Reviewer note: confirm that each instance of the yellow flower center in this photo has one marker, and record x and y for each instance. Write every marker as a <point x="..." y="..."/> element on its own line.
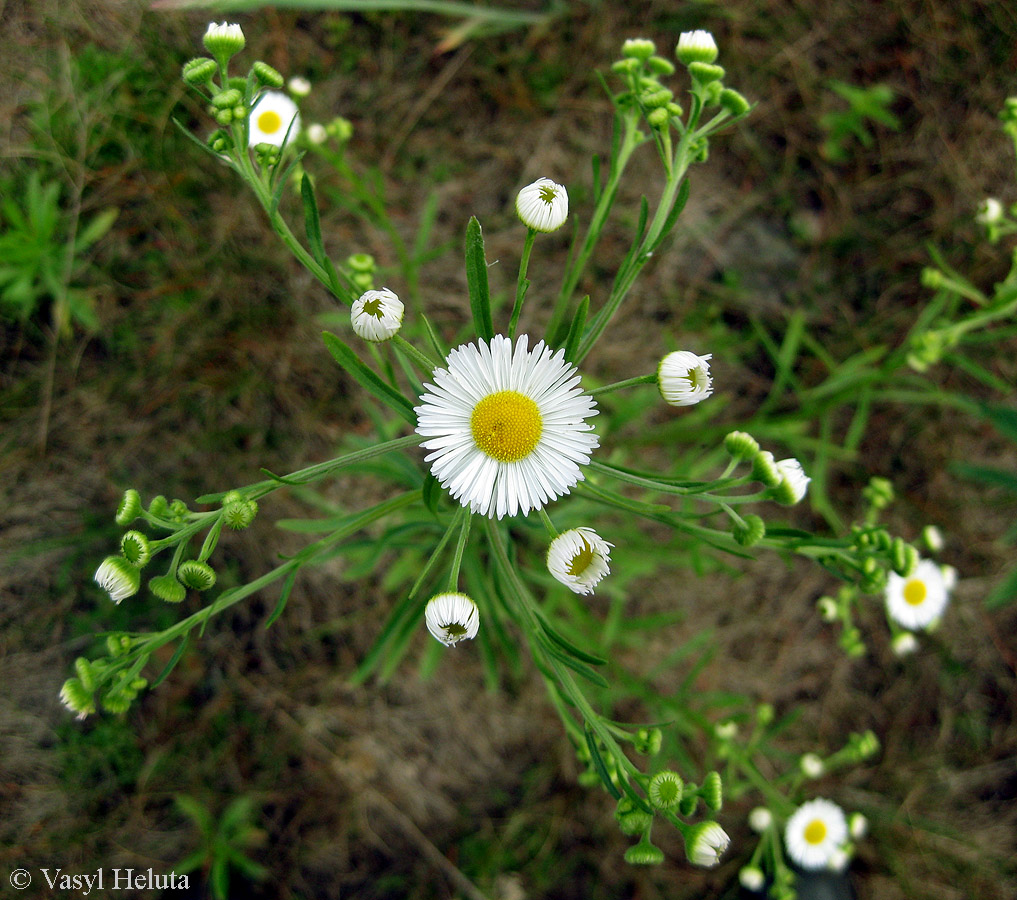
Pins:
<point x="581" y="560"/>
<point x="269" y="121"/>
<point x="454" y="630"/>
<point x="506" y="426"/>
<point x="914" y="592"/>
<point x="548" y="194"/>
<point x="815" y="832"/>
<point x="373" y="308"/>
<point x="693" y="378"/>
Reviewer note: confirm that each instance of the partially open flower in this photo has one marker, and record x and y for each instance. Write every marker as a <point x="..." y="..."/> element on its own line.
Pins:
<point x="705" y="844"/>
<point x="543" y="205"/>
<point x="696" y="46"/>
<point x="223" y="41"/>
<point x="274" y="117"/>
<point x="684" y="378"/>
<point x="579" y="558"/>
<point x="452" y="618"/>
<point x="377" y="315"/>
<point x="118" y="577"/>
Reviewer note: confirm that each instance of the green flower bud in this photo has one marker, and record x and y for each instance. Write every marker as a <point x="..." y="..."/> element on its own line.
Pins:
<point x="878" y="493"/>
<point x="696" y="47"/>
<point x="638" y="48"/>
<point x="227" y="99"/>
<point x="705" y="843"/>
<point x="741" y="445"/>
<point x="689" y="802"/>
<point x="752" y="878"/>
<point x="224" y="41"/>
<point x="765" y="713"/>
<point x="86" y="673"/>
<point x="341" y="129"/>
<point x="363" y="280"/>
<point x="116" y="702"/>
<point x="166" y="587"/>
<point x="267" y="75"/>
<point x="764" y="469"/>
<point x="178" y="510"/>
<point x="712" y="791"/>
<point x="656" y="98"/>
<point x="658" y="118"/>
<point x="734" y="102"/>
<point x="199" y="71"/>
<point x="196" y="575"/>
<point x="660" y="66"/>
<point x="644" y="854"/>
<point x="811" y="765"/>
<point x="932" y="278"/>
<point x="903" y="557"/>
<point x="630" y="818"/>
<point x="129" y="508"/>
<point x="239" y="514"/>
<point x="77" y="698"/>
<point x="361" y="262"/>
<point x="220" y="141"/>
<point x="135" y="548"/>
<point x="750" y="531"/>
<point x="705" y="73"/>
<point x="648" y="741"/>
<point x="675" y="110"/>
<point x="223" y="117"/>
<point x="665" y="789"/>
<point x="625" y="66"/>
<point x="117" y="644"/>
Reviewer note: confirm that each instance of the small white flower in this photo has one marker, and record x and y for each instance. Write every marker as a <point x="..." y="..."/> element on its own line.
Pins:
<point x="377" y="315"/>
<point x="858" y="826"/>
<point x="543" y="205"/>
<point x="684" y="378"/>
<point x="726" y="731"/>
<point x="917" y="601"/>
<point x="696" y="46"/>
<point x="811" y="765"/>
<point x="794" y="482"/>
<point x="760" y="819"/>
<point x="904" y="644"/>
<point x="706" y="844"/>
<point x="752" y="879"/>
<point x="579" y="558"/>
<point x="316" y="133"/>
<point x="949" y="577"/>
<point x="224" y="40"/>
<point x="828" y="609"/>
<point x="933" y="538"/>
<point x="451" y="618"/>
<point x="990" y="211"/>
<point x="118" y="578"/>
<point x="299" y="86"/>
<point x="839" y="859"/>
<point x="274" y="119"/>
<point x="814" y="834"/>
<point x="506" y="426"/>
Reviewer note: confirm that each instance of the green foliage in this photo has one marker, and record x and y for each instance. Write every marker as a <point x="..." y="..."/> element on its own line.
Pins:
<point x="866" y="106"/>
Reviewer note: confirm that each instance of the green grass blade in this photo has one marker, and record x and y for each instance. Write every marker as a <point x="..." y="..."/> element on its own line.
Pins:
<point x="367" y="379"/>
<point x="476" y="280"/>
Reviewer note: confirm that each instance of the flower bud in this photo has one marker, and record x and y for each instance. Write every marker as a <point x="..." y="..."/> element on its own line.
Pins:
<point x="166" y="587"/>
<point x="828" y="609"/>
<point x="299" y="86"/>
<point x="625" y="66"/>
<point x="660" y="66"/>
<point x="316" y="133"/>
<point x="86" y="673"/>
<point x="238" y="514"/>
<point x="129" y="508"/>
<point x="267" y="75"/>
<point x="658" y="118"/>
<point x="77" y="698"/>
<point x="904" y="644"/>
<point x="878" y="493"/>
<point x="227" y="99"/>
<point x="656" y="99"/>
<point x="224" y="41"/>
<point x="648" y="741"/>
<point x="341" y="129"/>
<point x="377" y="315"/>
<point x="689" y="802"/>
<point x="199" y="71"/>
<point x="990" y="212"/>
<point x="903" y="556"/>
<point x="760" y="819"/>
<point x="630" y="818"/>
<point x="135" y="548"/>
<point x="764" y="469"/>
<point x="638" y="48"/>
<point x="932" y="278"/>
<point x="858" y="826"/>
<point x="712" y="791"/>
<point x="750" y="531"/>
<point x="696" y="47"/>
<point x="741" y="445"/>
<point x="794" y="482"/>
<point x="765" y="713"/>
<point x="543" y="205"/>
<point x="704" y="73"/>
<point x="811" y="765"/>
<point x="752" y="879"/>
<point x="644" y="854"/>
<point x="117" y="644"/>
<point x="196" y="575"/>
<point x="705" y="843"/>
<point x="118" y="577"/>
<point x="683" y="378"/>
<point x="734" y="102"/>
<point x="116" y="702"/>
<point x="665" y="789"/>
<point x="932" y="537"/>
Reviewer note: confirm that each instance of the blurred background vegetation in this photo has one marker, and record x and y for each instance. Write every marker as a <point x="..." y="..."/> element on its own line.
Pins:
<point x="156" y="335"/>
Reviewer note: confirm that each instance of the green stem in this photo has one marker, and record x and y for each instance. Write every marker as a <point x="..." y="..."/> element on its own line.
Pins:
<point x="457" y="560"/>
<point x="425" y="362"/>
<point x="619" y="385"/>
<point x="522" y="284"/>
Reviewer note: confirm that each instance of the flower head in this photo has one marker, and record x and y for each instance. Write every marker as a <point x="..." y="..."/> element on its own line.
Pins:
<point x="274" y="118"/>
<point x="793" y="482"/>
<point x="752" y="878"/>
<point x="665" y="790"/>
<point x="452" y="618"/>
<point x="118" y="577"/>
<point x="904" y="644"/>
<point x="705" y="844"/>
<point x="506" y="426"/>
<point x="919" y="599"/>
<point x="696" y="46"/>
<point x="377" y="315"/>
<point x="579" y="558"/>
<point x="543" y="205"/>
<point x="224" y="40"/>
<point x="299" y="86"/>
<point x="684" y="378"/>
<point x="760" y="819"/>
<point x="815" y="833"/>
<point x="990" y="212"/>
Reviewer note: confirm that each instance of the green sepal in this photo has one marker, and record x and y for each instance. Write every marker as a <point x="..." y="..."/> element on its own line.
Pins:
<point x="367" y="379"/>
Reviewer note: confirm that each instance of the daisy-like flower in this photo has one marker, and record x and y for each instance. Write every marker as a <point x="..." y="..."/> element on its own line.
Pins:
<point x="118" y="577"/>
<point x="793" y="481"/>
<point x="684" y="378"/>
<point x="377" y="315"/>
<point x="452" y="618"/>
<point x="815" y="833"/>
<point x="917" y="601"/>
<point x="706" y="843"/>
<point x="506" y="426"/>
<point x="543" y="205"/>
<point x="579" y="558"/>
<point x="696" y="46"/>
<point x="271" y="119"/>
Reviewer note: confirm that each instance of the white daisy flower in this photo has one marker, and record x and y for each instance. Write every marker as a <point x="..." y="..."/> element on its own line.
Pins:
<point x="696" y="46"/>
<point x="917" y="601"/>
<point x="118" y="578"/>
<point x="794" y="483"/>
<point x="815" y="833"/>
<point x="271" y="117"/>
<point x="451" y="618"/>
<point x="543" y="205"/>
<point x="990" y="211"/>
<point x="506" y="426"/>
<point x="706" y="844"/>
<point x="377" y="315"/>
<point x="579" y="558"/>
<point x="684" y="378"/>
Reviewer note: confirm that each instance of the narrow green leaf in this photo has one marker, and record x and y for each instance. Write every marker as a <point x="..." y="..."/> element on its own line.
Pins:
<point x="576" y="329"/>
<point x="568" y="646"/>
<point x="432" y="336"/>
<point x="987" y="475"/>
<point x="1003" y="593"/>
<point x="171" y="665"/>
<point x="1003" y="418"/>
<point x="96" y="229"/>
<point x="566" y="659"/>
<point x="476" y="280"/>
<point x="312" y="222"/>
<point x="598" y="764"/>
<point x="283" y="180"/>
<point x="367" y="379"/>
<point x="672" y="217"/>
<point x="431" y="492"/>
<point x="283" y="597"/>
